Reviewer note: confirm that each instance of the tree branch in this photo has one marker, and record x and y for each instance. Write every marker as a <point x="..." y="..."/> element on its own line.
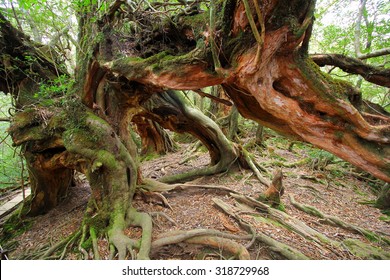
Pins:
<point x="212" y="97"/>
<point x="377" y="53"/>
<point x="376" y="75"/>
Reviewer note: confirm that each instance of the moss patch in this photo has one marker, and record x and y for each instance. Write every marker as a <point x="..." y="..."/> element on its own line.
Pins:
<point x="365" y="251"/>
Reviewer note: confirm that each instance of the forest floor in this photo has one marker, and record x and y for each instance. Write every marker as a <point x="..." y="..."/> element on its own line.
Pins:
<point x="311" y="176"/>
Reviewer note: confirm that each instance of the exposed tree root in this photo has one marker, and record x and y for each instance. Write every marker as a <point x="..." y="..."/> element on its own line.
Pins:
<point x="124" y="244"/>
<point x="274" y="245"/>
<point x="288" y="221"/>
<point x="335" y="221"/>
<point x="145" y="222"/>
<point x="80" y="248"/>
<point x="222" y="244"/>
<point x="92" y="233"/>
<point x="206" y="237"/>
<point x="61" y="244"/>
<point x="157" y="186"/>
<point x="155" y="198"/>
<point x="157" y="214"/>
<point x="253" y="167"/>
<point x="365" y="251"/>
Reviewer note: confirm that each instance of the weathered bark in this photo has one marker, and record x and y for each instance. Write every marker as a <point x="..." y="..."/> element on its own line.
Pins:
<point x="154" y="138"/>
<point x="49" y="185"/>
<point x="275" y="191"/>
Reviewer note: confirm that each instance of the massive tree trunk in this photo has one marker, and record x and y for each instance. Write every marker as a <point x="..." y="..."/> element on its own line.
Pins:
<point x="263" y="65"/>
<point x="257" y="50"/>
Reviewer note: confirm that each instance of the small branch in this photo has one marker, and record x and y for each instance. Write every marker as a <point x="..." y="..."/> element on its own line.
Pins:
<point x="377" y="53"/>
<point x="5" y="120"/>
<point x="58" y="36"/>
<point x="260" y="43"/>
<point x="158" y="214"/>
<point x="221" y="100"/>
<point x="255" y="31"/>
<point x="16" y="17"/>
<point x="217" y="63"/>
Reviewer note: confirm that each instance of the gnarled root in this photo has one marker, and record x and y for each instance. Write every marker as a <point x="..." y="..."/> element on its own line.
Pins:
<point x="211" y="238"/>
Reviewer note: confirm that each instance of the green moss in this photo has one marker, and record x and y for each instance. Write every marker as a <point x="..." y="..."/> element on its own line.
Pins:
<point x="107" y="158"/>
<point x="365" y="251"/>
<point x="16" y="224"/>
<point x="281" y="207"/>
<point x="149" y="157"/>
<point x="87" y="244"/>
<point x="339" y="134"/>
<point x="197" y="23"/>
<point x="268" y="221"/>
<point x="385" y="219"/>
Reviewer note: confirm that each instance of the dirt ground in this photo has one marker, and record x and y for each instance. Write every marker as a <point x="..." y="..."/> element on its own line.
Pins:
<point x="334" y="189"/>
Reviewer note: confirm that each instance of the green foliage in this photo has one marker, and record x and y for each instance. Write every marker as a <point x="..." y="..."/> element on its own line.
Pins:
<point x="334" y="32"/>
<point x="321" y="155"/>
<point x="10" y="161"/>
<point x="60" y="86"/>
<point x="15" y="226"/>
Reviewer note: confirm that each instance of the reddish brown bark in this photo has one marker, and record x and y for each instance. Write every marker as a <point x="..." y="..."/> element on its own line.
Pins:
<point x="282" y="88"/>
<point x="153" y="137"/>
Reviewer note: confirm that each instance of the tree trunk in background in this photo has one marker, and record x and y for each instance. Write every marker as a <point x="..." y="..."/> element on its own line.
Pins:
<point x="383" y="201"/>
<point x="154" y="138"/>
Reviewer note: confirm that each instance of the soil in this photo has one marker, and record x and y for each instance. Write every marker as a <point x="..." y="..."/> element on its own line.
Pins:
<point x="335" y="189"/>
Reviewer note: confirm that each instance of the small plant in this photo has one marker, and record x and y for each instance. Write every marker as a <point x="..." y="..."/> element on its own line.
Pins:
<point x="57" y="87"/>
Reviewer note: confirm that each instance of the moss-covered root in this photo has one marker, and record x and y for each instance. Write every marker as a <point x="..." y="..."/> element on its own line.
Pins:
<point x="63" y="244"/>
<point x="274" y="245"/>
<point x="248" y="159"/>
<point x="145" y="222"/>
<point x="222" y="244"/>
<point x="123" y="244"/>
<point x="208" y="237"/>
<point x="335" y="221"/>
<point x="365" y="251"/>
<point x="289" y="222"/>
<point x="118" y="240"/>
